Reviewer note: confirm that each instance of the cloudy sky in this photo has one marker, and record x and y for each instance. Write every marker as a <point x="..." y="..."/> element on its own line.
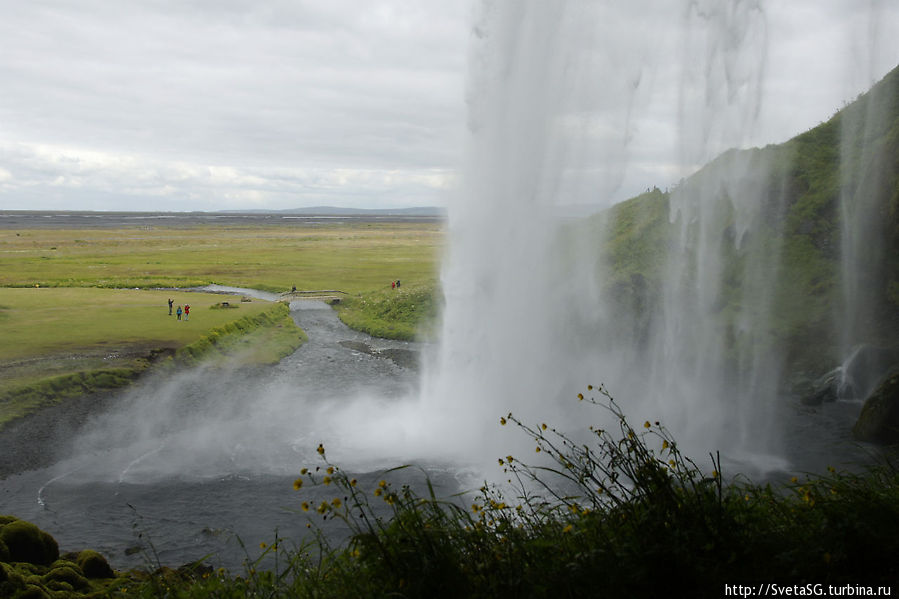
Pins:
<point x="245" y="104"/>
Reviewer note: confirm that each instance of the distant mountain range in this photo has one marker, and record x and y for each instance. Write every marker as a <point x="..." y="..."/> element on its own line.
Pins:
<point x="430" y="211"/>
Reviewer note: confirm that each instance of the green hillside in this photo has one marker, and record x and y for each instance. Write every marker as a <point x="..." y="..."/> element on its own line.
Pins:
<point x="784" y="221"/>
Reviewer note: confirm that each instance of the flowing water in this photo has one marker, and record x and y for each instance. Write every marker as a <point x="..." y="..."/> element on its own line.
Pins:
<point x="194" y="462"/>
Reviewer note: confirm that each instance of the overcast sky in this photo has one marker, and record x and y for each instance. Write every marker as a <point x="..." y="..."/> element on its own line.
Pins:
<point x="245" y="104"/>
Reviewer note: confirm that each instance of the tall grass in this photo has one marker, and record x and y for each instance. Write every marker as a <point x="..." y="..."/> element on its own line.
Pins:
<point x="627" y="515"/>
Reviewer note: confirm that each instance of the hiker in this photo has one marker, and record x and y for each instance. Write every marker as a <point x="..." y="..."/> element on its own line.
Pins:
<point x="171" y="301"/>
<point x="294" y="290"/>
<point x="186" y="311"/>
<point x="397" y="283"/>
<point x="178" y="312"/>
<point x="393" y="284"/>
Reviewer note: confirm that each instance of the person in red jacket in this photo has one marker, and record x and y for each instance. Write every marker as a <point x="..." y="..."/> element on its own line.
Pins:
<point x="186" y="311"/>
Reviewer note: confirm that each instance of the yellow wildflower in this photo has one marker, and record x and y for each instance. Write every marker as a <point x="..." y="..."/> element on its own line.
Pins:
<point x="543" y="426"/>
<point x="297" y="484"/>
<point x="262" y="545"/>
<point x="305" y="506"/>
<point x="502" y="421"/>
<point x="646" y="424"/>
<point x="665" y="444"/>
<point x="320" y="449"/>
<point x="304" y="470"/>
<point x="330" y="470"/>
<point x="567" y="529"/>
<point x="327" y="480"/>
<point x="353" y="482"/>
<point x="336" y="502"/>
<point x="382" y="483"/>
<point x="580" y="396"/>
<point x="378" y="491"/>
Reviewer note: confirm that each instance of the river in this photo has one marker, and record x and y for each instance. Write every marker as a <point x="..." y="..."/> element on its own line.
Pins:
<point x="201" y="464"/>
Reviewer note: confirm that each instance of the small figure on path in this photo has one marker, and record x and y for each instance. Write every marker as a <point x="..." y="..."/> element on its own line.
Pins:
<point x="294" y="290"/>
<point x="178" y="312"/>
<point x="397" y="283"/>
<point x="171" y="301"/>
<point x="393" y="284"/>
<point x="186" y="311"/>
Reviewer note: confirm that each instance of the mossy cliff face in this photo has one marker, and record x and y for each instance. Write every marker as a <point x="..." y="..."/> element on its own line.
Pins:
<point x="787" y="254"/>
<point x="31" y="565"/>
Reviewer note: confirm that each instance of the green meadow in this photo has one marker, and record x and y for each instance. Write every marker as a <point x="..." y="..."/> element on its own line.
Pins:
<point x="83" y="310"/>
<point x="355" y="258"/>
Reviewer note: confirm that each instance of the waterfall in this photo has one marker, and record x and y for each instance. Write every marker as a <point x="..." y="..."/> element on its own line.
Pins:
<point x="685" y="324"/>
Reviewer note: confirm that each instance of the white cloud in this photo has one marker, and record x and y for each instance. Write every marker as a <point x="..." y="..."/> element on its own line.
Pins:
<point x="197" y="104"/>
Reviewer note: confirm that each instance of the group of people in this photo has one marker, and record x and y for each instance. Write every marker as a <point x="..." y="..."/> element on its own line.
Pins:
<point x="180" y="311"/>
<point x="395" y="284"/>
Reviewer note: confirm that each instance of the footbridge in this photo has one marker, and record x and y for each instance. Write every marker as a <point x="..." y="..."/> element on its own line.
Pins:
<point x="332" y="296"/>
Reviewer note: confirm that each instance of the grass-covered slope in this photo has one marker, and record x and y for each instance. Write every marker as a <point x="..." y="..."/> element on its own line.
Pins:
<point x="827" y="199"/>
<point x="408" y="313"/>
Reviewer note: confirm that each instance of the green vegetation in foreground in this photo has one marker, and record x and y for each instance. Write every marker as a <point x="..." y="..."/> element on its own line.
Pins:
<point x="625" y="515"/>
<point x="350" y="257"/>
<point x="408" y="313"/>
<point x="61" y="343"/>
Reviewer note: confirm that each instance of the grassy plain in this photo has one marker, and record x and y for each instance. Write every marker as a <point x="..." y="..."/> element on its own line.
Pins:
<point x="78" y="310"/>
<point x="353" y="258"/>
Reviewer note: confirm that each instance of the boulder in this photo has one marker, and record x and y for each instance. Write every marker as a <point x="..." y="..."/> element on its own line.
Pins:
<point x="879" y="418"/>
<point x="827" y="388"/>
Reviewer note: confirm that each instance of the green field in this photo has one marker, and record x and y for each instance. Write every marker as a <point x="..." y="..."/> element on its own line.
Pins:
<point x="352" y="258"/>
<point x="79" y="310"/>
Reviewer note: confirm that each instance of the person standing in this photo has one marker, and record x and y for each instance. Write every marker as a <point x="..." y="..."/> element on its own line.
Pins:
<point x="171" y="301"/>
<point x="186" y="311"/>
<point x="178" y="312"/>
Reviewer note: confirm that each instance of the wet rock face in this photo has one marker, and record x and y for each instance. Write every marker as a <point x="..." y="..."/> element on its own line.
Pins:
<point x="879" y="419"/>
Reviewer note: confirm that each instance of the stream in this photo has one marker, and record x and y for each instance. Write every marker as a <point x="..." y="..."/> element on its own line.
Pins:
<point x="202" y="464"/>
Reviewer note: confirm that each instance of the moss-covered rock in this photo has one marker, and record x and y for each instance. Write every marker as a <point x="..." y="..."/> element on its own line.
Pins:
<point x="879" y="419"/>
<point x="67" y="574"/>
<point x="32" y="591"/>
<point x="94" y="565"/>
<point x="28" y="543"/>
